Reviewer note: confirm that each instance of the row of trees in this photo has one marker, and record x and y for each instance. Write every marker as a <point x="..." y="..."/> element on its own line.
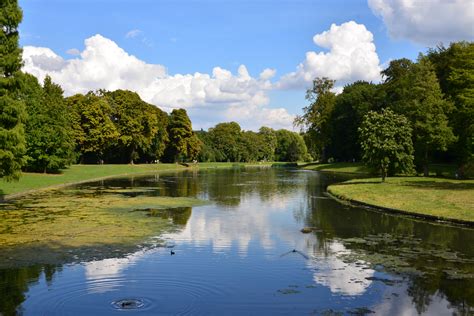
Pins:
<point x="102" y="126"/>
<point x="435" y="94"/>
<point x="228" y="142"/>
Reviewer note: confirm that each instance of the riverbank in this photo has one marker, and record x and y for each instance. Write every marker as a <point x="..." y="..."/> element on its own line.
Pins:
<point x="435" y="198"/>
<point x="31" y="182"/>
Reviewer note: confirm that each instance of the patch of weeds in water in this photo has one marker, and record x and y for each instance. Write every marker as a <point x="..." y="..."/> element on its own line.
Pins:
<point x="360" y="311"/>
<point x="288" y="291"/>
<point x="328" y="312"/>
<point x="406" y="255"/>
<point x="44" y="227"/>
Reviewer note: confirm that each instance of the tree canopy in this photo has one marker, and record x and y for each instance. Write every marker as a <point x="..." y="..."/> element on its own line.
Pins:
<point x="386" y="142"/>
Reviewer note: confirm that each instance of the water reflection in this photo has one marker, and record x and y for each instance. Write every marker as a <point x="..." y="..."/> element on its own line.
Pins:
<point x="236" y="253"/>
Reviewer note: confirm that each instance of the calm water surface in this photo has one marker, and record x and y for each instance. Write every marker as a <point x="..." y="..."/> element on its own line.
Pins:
<point x="235" y="256"/>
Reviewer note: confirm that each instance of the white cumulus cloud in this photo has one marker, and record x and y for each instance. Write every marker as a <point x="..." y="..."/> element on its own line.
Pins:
<point x="351" y="56"/>
<point x="427" y="22"/>
<point x="104" y="65"/>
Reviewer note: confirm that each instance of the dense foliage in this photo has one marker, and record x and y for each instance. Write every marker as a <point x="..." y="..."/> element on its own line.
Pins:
<point x="227" y="142"/>
<point x="435" y="94"/>
<point x="386" y="142"/>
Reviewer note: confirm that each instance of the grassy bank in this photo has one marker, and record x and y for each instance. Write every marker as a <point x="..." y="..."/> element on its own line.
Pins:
<point x="344" y="167"/>
<point x="431" y="197"/>
<point x="81" y="173"/>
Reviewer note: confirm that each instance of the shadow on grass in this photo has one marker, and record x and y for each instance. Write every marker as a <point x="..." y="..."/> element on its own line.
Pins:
<point x="357" y="167"/>
<point x="438" y="185"/>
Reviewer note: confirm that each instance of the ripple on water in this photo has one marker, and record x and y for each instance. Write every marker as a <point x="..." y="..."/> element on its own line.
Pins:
<point x="152" y="293"/>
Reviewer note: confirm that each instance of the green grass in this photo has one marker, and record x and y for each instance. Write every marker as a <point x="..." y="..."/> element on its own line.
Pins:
<point x="81" y="173"/>
<point x="344" y="167"/>
<point x="442" y="198"/>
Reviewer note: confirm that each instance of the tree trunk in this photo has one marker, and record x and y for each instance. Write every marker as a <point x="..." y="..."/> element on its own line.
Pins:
<point x="425" y="165"/>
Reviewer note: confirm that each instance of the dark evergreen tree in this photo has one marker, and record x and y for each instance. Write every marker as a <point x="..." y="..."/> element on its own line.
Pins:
<point x="12" y="110"/>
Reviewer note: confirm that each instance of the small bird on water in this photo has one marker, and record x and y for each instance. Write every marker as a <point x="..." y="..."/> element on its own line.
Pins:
<point x="172" y="252"/>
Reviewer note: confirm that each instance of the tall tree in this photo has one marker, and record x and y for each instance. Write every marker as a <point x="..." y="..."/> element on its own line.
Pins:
<point x="12" y="110"/>
<point x="386" y="142"/>
<point x="183" y="142"/>
<point x="50" y="138"/>
<point x="455" y="70"/>
<point x="290" y="147"/>
<point x="135" y="121"/>
<point x="316" y="117"/>
<point x="94" y="130"/>
<point x="414" y="91"/>
<point x="355" y="101"/>
<point x="269" y="143"/>
<point x="226" y="139"/>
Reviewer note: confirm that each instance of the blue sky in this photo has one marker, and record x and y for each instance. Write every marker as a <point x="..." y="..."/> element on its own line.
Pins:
<point x="185" y="37"/>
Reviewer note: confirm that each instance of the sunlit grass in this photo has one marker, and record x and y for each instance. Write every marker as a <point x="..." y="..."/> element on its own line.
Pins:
<point x="444" y="198"/>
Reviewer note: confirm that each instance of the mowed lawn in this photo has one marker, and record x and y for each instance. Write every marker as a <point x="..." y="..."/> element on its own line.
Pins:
<point x="443" y="198"/>
<point x="80" y="173"/>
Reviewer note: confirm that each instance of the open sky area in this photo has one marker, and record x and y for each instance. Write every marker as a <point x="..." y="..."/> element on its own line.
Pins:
<point x="248" y="61"/>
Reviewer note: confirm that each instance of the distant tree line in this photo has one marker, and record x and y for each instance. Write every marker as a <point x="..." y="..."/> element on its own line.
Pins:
<point x="227" y="142"/>
<point x="435" y="94"/>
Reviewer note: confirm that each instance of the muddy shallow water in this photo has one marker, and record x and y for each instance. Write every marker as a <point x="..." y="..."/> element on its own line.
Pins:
<point x="225" y="242"/>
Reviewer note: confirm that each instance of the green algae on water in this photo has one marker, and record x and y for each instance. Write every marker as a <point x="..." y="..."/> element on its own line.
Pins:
<point x="74" y="225"/>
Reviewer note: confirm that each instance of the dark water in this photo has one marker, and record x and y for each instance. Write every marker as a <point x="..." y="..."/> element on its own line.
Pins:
<point x="235" y="256"/>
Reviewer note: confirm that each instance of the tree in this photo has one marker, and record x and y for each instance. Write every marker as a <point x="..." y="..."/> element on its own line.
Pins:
<point x="49" y="134"/>
<point x="268" y="143"/>
<point x="316" y="117"/>
<point x="290" y="147"/>
<point x="135" y="121"/>
<point x="184" y="144"/>
<point x="12" y="110"/>
<point x="455" y="71"/>
<point x="94" y="130"/>
<point x="386" y="142"/>
<point x="413" y="90"/>
<point x="355" y="101"/>
<point x="226" y="139"/>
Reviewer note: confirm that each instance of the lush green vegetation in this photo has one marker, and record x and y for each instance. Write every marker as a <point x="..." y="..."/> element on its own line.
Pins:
<point x="443" y="198"/>
<point x="386" y="142"/>
<point x="435" y="94"/>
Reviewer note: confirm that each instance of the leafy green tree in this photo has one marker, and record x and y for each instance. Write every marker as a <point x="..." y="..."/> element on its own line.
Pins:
<point x="12" y="110"/>
<point x="455" y="71"/>
<point x="161" y="139"/>
<point x="226" y="139"/>
<point x="268" y="143"/>
<point x="290" y="147"/>
<point x="421" y="101"/>
<point x="94" y="130"/>
<point x="135" y="121"/>
<point x="183" y="142"/>
<point x="355" y="101"/>
<point x="49" y="135"/>
<point x="386" y="142"/>
<point x="317" y="115"/>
